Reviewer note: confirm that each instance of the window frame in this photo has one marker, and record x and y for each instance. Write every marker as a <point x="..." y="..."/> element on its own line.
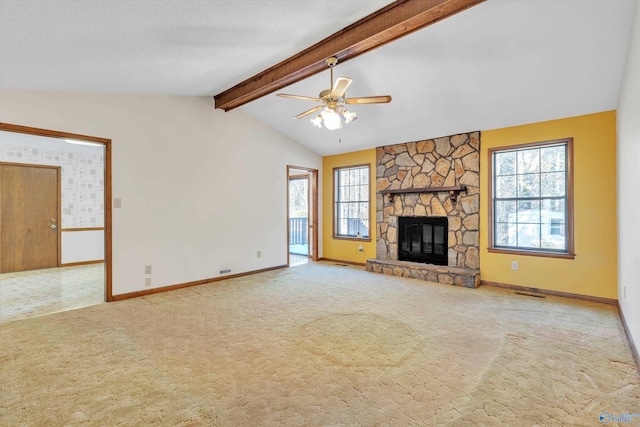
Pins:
<point x="335" y="234"/>
<point x="570" y="250"/>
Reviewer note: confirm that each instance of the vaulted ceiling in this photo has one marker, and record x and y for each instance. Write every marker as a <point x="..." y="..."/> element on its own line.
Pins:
<point x="500" y="63"/>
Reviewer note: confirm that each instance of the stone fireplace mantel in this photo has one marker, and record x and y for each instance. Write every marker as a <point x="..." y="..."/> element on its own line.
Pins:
<point x="453" y="191"/>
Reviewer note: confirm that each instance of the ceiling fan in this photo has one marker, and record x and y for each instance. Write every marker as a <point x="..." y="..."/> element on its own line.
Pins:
<point x="333" y="101"/>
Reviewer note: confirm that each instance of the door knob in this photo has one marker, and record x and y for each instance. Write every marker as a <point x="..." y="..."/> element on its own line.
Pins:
<point x="53" y="223"/>
<point x="53" y="226"/>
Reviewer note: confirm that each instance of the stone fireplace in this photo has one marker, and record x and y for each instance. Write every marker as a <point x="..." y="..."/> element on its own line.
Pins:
<point x="426" y="182"/>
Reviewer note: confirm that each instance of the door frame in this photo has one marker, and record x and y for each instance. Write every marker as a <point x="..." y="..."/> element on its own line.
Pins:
<point x="58" y="170"/>
<point x="307" y="178"/>
<point x="313" y="210"/>
<point x="108" y="290"/>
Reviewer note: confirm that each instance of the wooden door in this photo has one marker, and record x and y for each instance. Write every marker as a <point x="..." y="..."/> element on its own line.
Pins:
<point x="29" y="217"/>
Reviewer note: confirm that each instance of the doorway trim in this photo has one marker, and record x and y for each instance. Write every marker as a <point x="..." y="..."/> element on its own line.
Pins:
<point x="313" y="210"/>
<point x="108" y="290"/>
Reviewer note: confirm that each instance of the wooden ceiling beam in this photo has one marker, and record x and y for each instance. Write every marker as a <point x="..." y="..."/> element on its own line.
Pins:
<point x="396" y="20"/>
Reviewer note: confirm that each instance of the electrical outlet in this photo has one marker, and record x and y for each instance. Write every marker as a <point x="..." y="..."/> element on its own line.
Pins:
<point x="147" y="281"/>
<point x="259" y="254"/>
<point x="117" y="202"/>
<point x="514" y="265"/>
<point x="360" y="248"/>
<point x="147" y="269"/>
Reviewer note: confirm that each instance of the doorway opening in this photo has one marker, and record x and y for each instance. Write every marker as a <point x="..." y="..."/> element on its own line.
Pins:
<point x="302" y="212"/>
<point x="81" y="273"/>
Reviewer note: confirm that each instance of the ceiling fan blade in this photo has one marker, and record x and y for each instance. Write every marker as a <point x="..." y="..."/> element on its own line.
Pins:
<point x="309" y="111"/>
<point x="342" y="83"/>
<point x="305" y="98"/>
<point x="369" y="100"/>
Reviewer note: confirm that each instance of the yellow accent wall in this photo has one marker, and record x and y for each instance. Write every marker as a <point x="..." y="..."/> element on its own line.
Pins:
<point x="341" y="249"/>
<point x="593" y="272"/>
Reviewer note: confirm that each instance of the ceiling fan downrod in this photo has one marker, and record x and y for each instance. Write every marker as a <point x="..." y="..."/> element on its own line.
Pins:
<point x="331" y="62"/>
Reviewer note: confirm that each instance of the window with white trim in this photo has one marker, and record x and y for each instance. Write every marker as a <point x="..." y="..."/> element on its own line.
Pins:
<point x="532" y="200"/>
<point x="351" y="199"/>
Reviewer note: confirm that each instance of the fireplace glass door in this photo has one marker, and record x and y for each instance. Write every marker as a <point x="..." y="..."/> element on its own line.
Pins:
<point x="423" y="239"/>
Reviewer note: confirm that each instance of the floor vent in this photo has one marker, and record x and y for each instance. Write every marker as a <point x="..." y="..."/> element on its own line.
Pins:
<point x="529" y="295"/>
<point x="342" y="265"/>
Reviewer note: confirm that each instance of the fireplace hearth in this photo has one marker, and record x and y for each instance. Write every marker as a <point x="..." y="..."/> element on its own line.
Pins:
<point x="423" y="239"/>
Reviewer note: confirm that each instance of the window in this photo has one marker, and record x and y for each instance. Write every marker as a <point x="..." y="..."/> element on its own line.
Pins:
<point x="531" y="199"/>
<point x="351" y="198"/>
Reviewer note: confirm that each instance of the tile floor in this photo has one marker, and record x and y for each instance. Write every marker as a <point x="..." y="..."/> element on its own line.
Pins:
<point x="297" y="260"/>
<point x="34" y="293"/>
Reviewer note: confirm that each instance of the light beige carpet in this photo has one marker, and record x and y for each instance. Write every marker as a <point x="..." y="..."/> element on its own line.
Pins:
<point x="319" y="345"/>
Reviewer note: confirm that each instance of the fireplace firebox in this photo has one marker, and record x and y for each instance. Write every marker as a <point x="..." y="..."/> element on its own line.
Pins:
<point x="423" y="239"/>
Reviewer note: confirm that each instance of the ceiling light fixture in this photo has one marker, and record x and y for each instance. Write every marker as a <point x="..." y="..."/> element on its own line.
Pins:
<point x="333" y="111"/>
<point x="330" y="117"/>
<point x="79" y="142"/>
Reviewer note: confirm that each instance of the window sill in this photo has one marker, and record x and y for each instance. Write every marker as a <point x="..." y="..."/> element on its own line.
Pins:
<point x="531" y="253"/>
<point x="358" y="239"/>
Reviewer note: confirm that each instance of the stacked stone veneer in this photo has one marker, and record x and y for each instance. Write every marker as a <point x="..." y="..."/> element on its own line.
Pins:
<point x="441" y="162"/>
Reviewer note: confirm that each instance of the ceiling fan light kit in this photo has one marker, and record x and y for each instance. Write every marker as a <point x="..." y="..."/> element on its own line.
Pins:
<point x="333" y="100"/>
<point x="331" y="117"/>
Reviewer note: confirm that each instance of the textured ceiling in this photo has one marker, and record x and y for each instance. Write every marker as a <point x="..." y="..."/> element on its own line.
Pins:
<point x="501" y="63"/>
<point x="176" y="47"/>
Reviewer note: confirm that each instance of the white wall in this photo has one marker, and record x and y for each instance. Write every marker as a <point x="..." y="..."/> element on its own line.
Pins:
<point x="628" y="116"/>
<point x="82" y="246"/>
<point x="202" y="190"/>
